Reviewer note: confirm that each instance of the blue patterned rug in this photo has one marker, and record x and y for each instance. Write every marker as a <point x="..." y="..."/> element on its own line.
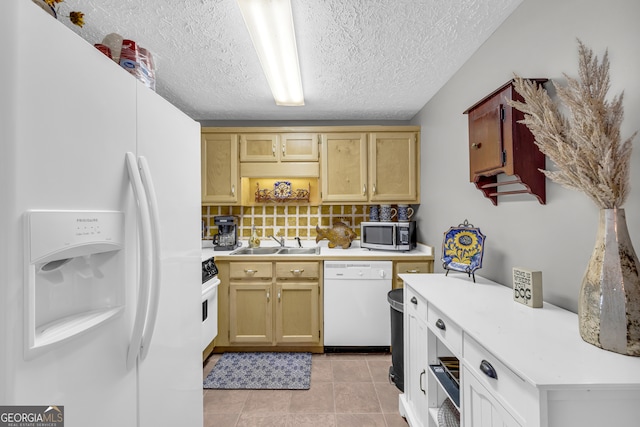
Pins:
<point x="269" y="371"/>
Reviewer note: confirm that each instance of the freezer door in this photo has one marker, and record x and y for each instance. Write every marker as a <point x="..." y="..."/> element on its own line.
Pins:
<point x="73" y="118"/>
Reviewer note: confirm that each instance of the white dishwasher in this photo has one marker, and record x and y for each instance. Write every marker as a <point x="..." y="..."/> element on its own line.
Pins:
<point x="356" y="311"/>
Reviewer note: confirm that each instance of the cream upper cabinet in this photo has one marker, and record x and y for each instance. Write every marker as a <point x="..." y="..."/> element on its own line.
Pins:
<point x="393" y="167"/>
<point x="374" y="167"/>
<point x="354" y="164"/>
<point x="219" y="160"/>
<point x="259" y="147"/>
<point x="279" y="147"/>
<point x="299" y="147"/>
<point x="344" y="167"/>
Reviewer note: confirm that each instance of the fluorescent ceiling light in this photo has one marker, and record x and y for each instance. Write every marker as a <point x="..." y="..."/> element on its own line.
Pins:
<point x="270" y="24"/>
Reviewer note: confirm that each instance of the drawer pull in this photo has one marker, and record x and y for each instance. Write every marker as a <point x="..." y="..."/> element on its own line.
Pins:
<point x="412" y="271"/>
<point x="488" y="370"/>
<point x="414" y="300"/>
<point x="250" y="272"/>
<point x="440" y="325"/>
<point x="421" y="375"/>
<point x="297" y="272"/>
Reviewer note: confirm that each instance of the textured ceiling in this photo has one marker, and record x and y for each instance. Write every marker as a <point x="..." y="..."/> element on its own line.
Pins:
<point x="360" y="59"/>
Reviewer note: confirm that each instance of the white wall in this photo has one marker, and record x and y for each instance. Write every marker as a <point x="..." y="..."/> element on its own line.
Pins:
<point x="537" y="40"/>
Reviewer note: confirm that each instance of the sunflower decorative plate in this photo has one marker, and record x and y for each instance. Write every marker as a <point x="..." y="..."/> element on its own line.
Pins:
<point x="462" y="249"/>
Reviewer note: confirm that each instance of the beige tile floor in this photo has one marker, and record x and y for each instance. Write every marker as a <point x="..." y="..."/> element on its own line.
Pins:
<point x="346" y="390"/>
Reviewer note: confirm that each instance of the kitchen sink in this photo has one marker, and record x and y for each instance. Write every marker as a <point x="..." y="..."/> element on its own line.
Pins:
<point x="299" y="251"/>
<point x="255" y="251"/>
<point x="277" y="251"/>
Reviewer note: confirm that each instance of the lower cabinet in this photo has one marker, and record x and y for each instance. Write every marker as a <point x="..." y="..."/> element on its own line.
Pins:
<point x="481" y="409"/>
<point x="415" y="360"/>
<point x="251" y="312"/>
<point x="267" y="309"/>
<point x="471" y="344"/>
<point x="297" y="302"/>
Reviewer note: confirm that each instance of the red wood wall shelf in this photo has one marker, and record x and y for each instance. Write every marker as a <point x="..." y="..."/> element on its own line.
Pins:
<point x="499" y="145"/>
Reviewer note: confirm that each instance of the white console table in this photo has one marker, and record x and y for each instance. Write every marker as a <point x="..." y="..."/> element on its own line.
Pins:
<point x="545" y="375"/>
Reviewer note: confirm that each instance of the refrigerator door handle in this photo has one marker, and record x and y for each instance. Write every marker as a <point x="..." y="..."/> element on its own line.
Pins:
<point x="145" y="238"/>
<point x="154" y="296"/>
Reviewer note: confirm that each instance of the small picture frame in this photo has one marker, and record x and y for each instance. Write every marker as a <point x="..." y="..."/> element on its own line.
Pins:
<point x="527" y="287"/>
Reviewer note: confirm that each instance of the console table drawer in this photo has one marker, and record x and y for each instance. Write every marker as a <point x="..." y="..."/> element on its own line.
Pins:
<point x="512" y="391"/>
<point x="445" y="329"/>
<point x="416" y="305"/>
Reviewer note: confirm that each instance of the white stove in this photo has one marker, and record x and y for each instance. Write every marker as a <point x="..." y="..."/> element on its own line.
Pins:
<point x="210" y="284"/>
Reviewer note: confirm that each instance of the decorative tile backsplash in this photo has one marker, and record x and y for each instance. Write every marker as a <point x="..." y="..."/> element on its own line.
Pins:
<point x="285" y="220"/>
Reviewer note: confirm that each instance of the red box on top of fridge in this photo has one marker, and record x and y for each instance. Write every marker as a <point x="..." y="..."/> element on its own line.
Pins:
<point x="104" y="49"/>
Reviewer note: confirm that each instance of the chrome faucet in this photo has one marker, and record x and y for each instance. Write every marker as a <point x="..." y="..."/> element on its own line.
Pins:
<point x="280" y="241"/>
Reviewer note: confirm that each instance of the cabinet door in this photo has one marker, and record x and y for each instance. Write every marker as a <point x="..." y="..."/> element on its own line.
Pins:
<point x="297" y="319"/>
<point x="344" y="167"/>
<point x="416" y="375"/>
<point x="250" y="312"/>
<point x="262" y="147"/>
<point x="393" y="168"/>
<point x="480" y="408"/>
<point x="219" y="158"/>
<point x="299" y="147"/>
<point x="485" y="137"/>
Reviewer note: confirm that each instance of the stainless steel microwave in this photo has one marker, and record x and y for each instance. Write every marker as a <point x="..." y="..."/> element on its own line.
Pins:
<point x="389" y="236"/>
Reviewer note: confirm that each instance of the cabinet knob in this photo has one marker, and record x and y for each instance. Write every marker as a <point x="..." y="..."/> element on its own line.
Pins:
<point x="488" y="370"/>
<point x="476" y="145"/>
<point x="414" y="300"/>
<point x="440" y="325"/>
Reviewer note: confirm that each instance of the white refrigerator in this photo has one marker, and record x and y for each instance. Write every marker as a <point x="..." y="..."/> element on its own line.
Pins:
<point x="100" y="287"/>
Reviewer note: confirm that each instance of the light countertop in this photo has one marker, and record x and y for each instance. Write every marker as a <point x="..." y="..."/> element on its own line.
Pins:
<point x="326" y="253"/>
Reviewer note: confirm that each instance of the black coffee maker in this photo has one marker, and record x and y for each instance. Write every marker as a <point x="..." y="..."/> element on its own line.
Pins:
<point x="227" y="237"/>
